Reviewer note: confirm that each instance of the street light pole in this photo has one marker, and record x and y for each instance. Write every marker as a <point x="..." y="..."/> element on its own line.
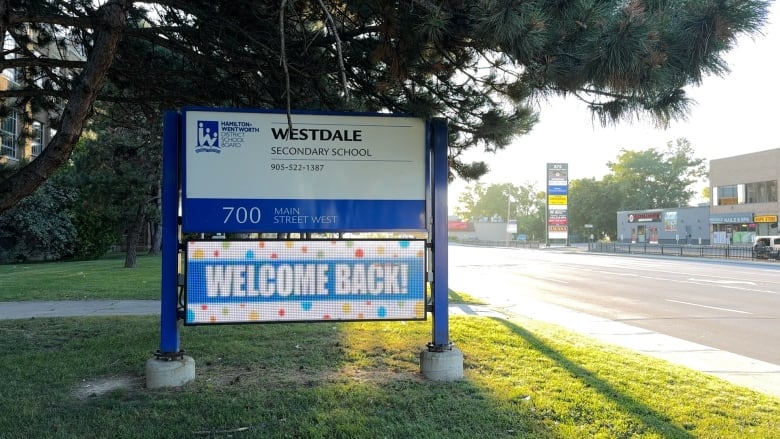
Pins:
<point x="508" y="204"/>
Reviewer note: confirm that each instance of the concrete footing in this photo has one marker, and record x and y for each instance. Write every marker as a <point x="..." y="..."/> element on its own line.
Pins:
<point x="442" y="366"/>
<point x="169" y="373"/>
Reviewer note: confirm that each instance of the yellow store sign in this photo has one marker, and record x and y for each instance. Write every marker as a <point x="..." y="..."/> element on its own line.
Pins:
<point x="557" y="200"/>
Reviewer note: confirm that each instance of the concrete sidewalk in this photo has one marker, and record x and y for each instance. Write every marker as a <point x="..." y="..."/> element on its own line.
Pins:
<point x="75" y="308"/>
<point x="747" y="372"/>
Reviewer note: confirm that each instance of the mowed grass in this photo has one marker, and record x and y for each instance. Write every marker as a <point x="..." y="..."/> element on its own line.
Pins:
<point x="84" y="377"/>
<point x="105" y="278"/>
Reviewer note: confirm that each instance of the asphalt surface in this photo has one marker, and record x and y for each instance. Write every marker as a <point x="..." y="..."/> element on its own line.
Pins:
<point x="747" y="372"/>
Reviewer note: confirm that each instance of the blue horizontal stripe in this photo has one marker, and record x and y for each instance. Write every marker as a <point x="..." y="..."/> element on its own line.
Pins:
<point x="290" y="215"/>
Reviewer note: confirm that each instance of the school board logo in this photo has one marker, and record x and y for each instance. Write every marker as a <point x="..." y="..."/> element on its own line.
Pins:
<point x="207" y="136"/>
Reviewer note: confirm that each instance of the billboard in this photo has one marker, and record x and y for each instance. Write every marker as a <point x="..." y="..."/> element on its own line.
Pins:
<point x="249" y="171"/>
<point x="304" y="281"/>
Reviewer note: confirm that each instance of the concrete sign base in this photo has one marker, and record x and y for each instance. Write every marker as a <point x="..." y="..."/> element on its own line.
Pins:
<point x="442" y="366"/>
<point x="169" y="373"/>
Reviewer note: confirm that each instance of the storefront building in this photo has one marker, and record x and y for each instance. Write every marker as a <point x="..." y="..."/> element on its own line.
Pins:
<point x="743" y="196"/>
<point x="681" y="225"/>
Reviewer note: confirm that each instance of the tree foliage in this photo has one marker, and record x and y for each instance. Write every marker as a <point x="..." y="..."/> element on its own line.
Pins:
<point x="638" y="180"/>
<point x="594" y="202"/>
<point x="117" y="172"/>
<point x="39" y="225"/>
<point x="654" y="179"/>
<point x="479" y="64"/>
<point x="524" y="203"/>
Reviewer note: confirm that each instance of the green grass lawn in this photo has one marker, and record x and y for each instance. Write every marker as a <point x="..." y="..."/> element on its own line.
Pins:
<point x="105" y="278"/>
<point x="83" y="377"/>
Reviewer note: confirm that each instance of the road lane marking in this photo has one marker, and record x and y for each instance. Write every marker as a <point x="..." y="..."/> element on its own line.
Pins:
<point x="710" y="307"/>
<point x="552" y="279"/>
<point x="693" y="279"/>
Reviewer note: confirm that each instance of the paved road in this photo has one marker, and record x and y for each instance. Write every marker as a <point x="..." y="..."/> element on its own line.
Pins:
<point x="733" y="306"/>
<point x="690" y="315"/>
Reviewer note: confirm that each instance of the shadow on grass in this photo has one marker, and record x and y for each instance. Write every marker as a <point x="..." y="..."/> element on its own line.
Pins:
<point x="652" y="419"/>
<point x="455" y="297"/>
<point x="297" y="380"/>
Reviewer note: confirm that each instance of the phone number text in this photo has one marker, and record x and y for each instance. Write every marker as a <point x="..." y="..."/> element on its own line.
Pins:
<point x="296" y="167"/>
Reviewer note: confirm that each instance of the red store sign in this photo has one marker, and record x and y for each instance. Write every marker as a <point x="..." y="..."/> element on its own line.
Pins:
<point x="644" y="217"/>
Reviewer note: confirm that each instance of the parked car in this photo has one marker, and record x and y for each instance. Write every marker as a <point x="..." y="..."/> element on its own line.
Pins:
<point x="766" y="247"/>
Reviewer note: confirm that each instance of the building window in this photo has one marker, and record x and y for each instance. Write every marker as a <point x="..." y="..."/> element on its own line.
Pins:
<point x="726" y="195"/>
<point x="36" y="138"/>
<point x="761" y="192"/>
<point x="8" y="135"/>
<point x="9" y="48"/>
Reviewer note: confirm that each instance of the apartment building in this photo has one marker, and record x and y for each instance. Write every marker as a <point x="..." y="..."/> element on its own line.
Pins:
<point x="24" y="133"/>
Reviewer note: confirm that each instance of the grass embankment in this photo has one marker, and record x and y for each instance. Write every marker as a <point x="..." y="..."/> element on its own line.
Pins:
<point x="83" y="377"/>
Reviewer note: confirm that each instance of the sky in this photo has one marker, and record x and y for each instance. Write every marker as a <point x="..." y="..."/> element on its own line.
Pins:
<point x="732" y="115"/>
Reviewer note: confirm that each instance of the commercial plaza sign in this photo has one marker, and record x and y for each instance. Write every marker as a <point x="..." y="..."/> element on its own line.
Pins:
<point x="248" y="171"/>
<point x="557" y="200"/>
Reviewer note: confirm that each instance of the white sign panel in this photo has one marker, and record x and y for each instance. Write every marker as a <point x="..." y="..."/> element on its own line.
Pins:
<point x="248" y="171"/>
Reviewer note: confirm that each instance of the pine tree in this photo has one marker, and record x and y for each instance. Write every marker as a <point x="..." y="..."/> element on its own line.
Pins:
<point x="480" y="64"/>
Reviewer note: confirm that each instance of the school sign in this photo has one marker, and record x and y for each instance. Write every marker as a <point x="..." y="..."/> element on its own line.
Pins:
<point x="254" y="171"/>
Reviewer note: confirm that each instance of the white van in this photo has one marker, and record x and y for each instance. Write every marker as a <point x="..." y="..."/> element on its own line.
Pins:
<point x="769" y="241"/>
<point x="766" y="247"/>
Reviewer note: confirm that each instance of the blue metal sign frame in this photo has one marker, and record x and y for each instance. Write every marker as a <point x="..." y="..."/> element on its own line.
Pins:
<point x="434" y="203"/>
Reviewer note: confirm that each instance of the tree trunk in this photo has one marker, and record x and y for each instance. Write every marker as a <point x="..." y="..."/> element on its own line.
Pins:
<point x="133" y="233"/>
<point x="108" y="34"/>
<point x="155" y="226"/>
<point x="156" y="247"/>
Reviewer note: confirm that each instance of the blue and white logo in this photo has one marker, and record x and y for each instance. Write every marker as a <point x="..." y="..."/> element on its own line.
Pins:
<point x="208" y="136"/>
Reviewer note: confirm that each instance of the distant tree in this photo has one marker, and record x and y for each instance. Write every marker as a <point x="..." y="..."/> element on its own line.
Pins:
<point x="467" y="202"/>
<point x="479" y="64"/>
<point x="480" y="202"/>
<point x="705" y="193"/>
<point x="593" y="202"/>
<point x="531" y="217"/>
<point x="524" y="203"/>
<point x="638" y="180"/>
<point x="117" y="171"/>
<point x="654" y="179"/>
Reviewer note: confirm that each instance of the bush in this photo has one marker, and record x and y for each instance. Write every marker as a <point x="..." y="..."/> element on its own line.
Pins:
<point x="39" y="226"/>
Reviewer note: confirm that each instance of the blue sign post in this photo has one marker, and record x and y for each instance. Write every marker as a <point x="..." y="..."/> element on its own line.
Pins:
<point x="252" y="171"/>
<point x="169" y="288"/>
<point x="439" y="145"/>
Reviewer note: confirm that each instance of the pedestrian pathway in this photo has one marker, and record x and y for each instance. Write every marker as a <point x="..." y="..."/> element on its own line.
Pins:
<point x="74" y="308"/>
<point x="743" y="371"/>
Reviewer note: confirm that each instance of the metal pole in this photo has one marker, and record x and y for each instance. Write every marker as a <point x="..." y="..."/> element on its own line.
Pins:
<point x="169" y="331"/>
<point x="441" y="340"/>
<point x="508" y="204"/>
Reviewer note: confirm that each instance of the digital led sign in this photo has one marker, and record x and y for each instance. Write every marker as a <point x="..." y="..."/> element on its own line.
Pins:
<point x="304" y="281"/>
